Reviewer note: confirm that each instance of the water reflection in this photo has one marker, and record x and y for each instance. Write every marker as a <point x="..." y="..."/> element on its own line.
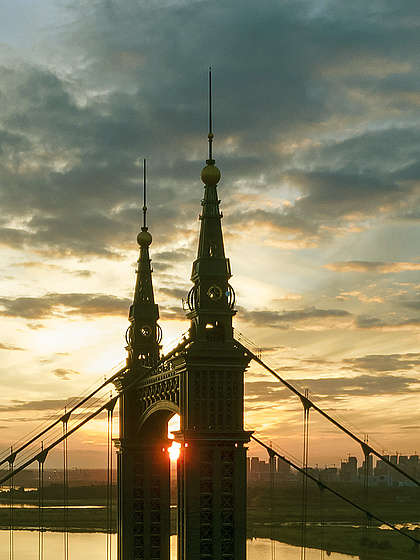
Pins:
<point x="35" y="506"/>
<point x="93" y="546"/>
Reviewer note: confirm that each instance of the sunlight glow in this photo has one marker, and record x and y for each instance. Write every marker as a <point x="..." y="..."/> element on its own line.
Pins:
<point x="173" y="426"/>
<point x="174" y="451"/>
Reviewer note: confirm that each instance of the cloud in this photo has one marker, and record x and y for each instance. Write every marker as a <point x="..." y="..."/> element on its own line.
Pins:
<point x="46" y="404"/>
<point x="65" y="374"/>
<point x="5" y="346"/>
<point x="375" y="323"/>
<point x="49" y="305"/>
<point x="72" y="134"/>
<point x="175" y="293"/>
<point x="282" y="319"/>
<point x="329" y="388"/>
<point x="384" y="363"/>
<point x="173" y="313"/>
<point x="364" y="385"/>
<point x="372" y="267"/>
<point x="414" y="304"/>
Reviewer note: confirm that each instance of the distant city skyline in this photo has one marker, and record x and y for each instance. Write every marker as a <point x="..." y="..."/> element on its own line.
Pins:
<point x="316" y="136"/>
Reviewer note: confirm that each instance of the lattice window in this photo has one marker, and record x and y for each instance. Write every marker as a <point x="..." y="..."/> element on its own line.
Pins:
<point x="206" y="504"/>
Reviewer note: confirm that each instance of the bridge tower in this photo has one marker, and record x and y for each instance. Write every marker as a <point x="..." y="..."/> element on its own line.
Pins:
<point x="202" y="381"/>
<point x="143" y="463"/>
<point x="212" y="463"/>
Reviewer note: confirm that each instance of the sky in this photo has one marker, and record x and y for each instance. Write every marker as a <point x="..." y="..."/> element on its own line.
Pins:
<point x="316" y="122"/>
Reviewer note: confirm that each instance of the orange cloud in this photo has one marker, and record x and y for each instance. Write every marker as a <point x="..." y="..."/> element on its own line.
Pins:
<point x="376" y="267"/>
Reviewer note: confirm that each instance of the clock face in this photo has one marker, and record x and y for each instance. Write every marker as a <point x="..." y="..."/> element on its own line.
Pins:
<point x="214" y="292"/>
<point x="145" y="330"/>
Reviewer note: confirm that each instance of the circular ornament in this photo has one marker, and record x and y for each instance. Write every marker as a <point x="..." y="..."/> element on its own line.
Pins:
<point x="214" y="292"/>
<point x="145" y="330"/>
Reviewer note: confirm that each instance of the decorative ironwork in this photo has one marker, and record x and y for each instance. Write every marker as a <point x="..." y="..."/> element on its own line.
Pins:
<point x="192" y="298"/>
<point x="163" y="387"/>
<point x="231" y="296"/>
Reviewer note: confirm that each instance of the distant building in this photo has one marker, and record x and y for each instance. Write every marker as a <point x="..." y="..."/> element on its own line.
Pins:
<point x="381" y="474"/>
<point x="260" y="470"/>
<point x="373" y="480"/>
<point x="348" y="470"/>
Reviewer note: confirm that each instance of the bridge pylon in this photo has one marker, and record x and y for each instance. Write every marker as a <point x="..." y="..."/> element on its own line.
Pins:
<point x="202" y="381"/>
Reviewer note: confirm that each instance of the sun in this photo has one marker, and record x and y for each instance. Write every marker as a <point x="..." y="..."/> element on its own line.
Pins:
<point x="174" y="451"/>
<point x="173" y="426"/>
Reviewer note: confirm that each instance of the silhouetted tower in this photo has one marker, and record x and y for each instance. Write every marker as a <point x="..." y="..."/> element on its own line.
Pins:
<point x="212" y="463"/>
<point x="143" y="463"/>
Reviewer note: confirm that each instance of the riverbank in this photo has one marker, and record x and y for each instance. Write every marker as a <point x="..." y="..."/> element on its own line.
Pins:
<point x="335" y="525"/>
<point x="378" y="545"/>
<point x="341" y="529"/>
<point x="78" y="517"/>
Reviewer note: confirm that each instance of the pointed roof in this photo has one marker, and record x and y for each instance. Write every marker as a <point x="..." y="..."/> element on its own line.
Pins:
<point x="144" y="334"/>
<point x="211" y="299"/>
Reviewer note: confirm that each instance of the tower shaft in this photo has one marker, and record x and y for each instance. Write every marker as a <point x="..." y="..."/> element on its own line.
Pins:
<point x="212" y="464"/>
<point x="143" y="461"/>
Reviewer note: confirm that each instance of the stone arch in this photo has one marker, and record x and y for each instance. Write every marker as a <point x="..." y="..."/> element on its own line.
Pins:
<point x="155" y="417"/>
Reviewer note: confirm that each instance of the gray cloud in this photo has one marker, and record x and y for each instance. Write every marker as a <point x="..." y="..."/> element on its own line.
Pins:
<point x="174" y="293"/>
<point x="46" y="306"/>
<point x="281" y="319"/>
<point x="69" y="145"/>
<point x="47" y="404"/>
<point x="366" y="322"/>
<point x="364" y="385"/>
<point x="414" y="304"/>
<point x="384" y="363"/>
<point x="331" y="388"/>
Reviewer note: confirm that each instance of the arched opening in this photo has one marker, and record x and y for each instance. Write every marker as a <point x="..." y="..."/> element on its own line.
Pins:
<point x="144" y="488"/>
<point x="174" y="451"/>
<point x="156" y="476"/>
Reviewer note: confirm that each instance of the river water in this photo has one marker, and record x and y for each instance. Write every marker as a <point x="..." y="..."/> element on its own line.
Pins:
<point x="93" y="546"/>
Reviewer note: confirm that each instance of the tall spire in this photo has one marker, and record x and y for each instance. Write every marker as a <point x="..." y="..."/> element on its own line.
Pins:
<point x="210" y="134"/>
<point x="144" y="334"/>
<point x="211" y="299"/>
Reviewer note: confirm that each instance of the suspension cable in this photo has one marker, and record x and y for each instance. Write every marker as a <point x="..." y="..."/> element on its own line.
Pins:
<point x="41" y="460"/>
<point x="57" y="441"/>
<point x="305" y="458"/>
<point x="354" y="504"/>
<point x="366" y="473"/>
<point x="327" y="416"/>
<point x="184" y="342"/>
<point x="109" y="497"/>
<point x="272" y="469"/>
<point x="71" y="410"/>
<point x="64" y="420"/>
<point x="321" y="500"/>
<point x="11" y="504"/>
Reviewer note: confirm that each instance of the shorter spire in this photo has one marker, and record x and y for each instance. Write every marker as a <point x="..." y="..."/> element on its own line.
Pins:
<point x="144" y="195"/>
<point x="144" y="334"/>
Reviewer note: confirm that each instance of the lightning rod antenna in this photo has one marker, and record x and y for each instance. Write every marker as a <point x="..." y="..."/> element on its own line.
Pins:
<point x="210" y="135"/>
<point x="144" y="194"/>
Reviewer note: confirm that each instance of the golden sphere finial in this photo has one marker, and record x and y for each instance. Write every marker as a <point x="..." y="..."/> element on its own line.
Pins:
<point x="210" y="175"/>
<point x="144" y="238"/>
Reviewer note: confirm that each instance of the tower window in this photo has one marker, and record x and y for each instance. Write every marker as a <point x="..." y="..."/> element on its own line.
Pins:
<point x="215" y="332"/>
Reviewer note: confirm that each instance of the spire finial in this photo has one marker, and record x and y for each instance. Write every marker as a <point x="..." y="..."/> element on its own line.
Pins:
<point x="210" y="174"/>
<point x="144" y="195"/>
<point x="210" y="134"/>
